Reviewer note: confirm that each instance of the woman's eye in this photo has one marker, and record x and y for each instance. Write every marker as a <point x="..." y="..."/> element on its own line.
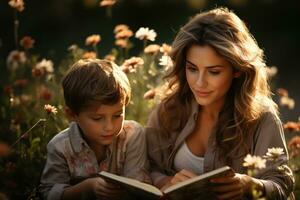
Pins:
<point x="214" y="72"/>
<point x="192" y="69"/>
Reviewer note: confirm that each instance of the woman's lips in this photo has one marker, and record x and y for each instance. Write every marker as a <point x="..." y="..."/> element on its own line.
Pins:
<point x="202" y="93"/>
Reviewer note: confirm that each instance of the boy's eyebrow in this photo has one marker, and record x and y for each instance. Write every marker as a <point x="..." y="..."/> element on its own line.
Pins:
<point x="211" y="66"/>
<point x="118" y="111"/>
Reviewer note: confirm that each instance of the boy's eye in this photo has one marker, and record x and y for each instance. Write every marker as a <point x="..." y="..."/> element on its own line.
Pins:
<point x="97" y="118"/>
<point x="118" y="115"/>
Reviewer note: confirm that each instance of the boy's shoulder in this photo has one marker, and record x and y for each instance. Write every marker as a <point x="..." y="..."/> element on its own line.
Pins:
<point x="62" y="137"/>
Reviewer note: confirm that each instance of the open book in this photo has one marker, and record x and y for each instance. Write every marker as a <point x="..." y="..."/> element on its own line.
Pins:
<point x="193" y="188"/>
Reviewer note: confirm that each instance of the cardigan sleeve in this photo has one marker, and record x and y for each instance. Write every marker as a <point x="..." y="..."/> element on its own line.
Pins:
<point x="277" y="178"/>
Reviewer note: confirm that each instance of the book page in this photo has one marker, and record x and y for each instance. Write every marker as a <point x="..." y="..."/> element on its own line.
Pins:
<point x="197" y="186"/>
<point x="137" y="188"/>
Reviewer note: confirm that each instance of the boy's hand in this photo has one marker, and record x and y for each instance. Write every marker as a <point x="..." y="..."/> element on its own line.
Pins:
<point x="234" y="187"/>
<point x="105" y="190"/>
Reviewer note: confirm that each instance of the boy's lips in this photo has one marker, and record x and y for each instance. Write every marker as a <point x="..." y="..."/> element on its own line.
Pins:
<point x="107" y="136"/>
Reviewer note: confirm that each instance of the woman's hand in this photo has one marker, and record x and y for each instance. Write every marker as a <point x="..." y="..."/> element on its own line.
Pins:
<point x="235" y="187"/>
<point x="105" y="190"/>
<point x="178" y="177"/>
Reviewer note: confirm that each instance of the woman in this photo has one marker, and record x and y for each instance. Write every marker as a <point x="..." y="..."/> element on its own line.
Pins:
<point x="218" y="109"/>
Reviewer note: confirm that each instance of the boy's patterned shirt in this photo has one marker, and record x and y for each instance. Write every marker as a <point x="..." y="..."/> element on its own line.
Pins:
<point x="71" y="160"/>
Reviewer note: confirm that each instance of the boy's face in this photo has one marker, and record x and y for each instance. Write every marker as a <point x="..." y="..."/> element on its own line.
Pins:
<point x="101" y="123"/>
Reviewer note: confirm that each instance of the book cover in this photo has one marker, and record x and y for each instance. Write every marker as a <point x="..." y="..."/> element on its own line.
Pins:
<point x="193" y="188"/>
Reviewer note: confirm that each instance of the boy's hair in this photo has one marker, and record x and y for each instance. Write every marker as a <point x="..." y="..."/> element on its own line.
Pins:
<point x="91" y="81"/>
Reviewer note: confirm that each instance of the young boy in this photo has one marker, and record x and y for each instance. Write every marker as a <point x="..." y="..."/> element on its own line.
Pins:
<point x="96" y="93"/>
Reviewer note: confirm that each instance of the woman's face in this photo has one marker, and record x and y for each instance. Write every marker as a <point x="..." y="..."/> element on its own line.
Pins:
<point x="208" y="74"/>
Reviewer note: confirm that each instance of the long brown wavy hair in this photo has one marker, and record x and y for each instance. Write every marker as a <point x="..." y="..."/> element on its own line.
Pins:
<point x="249" y="95"/>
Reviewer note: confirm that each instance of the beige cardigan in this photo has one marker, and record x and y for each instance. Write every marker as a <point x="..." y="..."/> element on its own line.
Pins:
<point x="269" y="133"/>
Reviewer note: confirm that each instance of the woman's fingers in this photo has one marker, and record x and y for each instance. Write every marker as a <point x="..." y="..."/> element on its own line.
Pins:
<point x="182" y="176"/>
<point x="188" y="173"/>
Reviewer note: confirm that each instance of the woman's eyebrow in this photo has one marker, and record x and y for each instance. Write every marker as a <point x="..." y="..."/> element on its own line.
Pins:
<point x="211" y="66"/>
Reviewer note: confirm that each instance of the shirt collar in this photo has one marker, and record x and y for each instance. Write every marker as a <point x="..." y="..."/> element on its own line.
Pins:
<point x="76" y="138"/>
<point x="78" y="142"/>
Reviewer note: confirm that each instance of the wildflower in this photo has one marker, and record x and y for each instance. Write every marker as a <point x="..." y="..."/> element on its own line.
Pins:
<point x="146" y="34"/>
<point x="292" y="126"/>
<point x="37" y="72"/>
<point x="21" y="82"/>
<point x="131" y="64"/>
<point x="15" y="58"/>
<point x="45" y="93"/>
<point x="47" y="65"/>
<point x="165" y="49"/>
<point x="50" y="109"/>
<point x="150" y="94"/>
<point x="282" y="92"/>
<point x="255" y="162"/>
<point x="287" y="102"/>
<point x="107" y="3"/>
<point x="8" y="89"/>
<point x="72" y="47"/>
<point x="17" y="4"/>
<point x="271" y="71"/>
<point x="27" y="42"/>
<point x="4" y="149"/>
<point x="93" y="40"/>
<point x="294" y="146"/>
<point x="121" y="43"/>
<point x="274" y="153"/>
<point x="89" y="54"/>
<point x="110" y="57"/>
<point x="124" y="34"/>
<point x="152" y="48"/>
<point x="25" y="98"/>
<point x="166" y="61"/>
<point x="120" y="28"/>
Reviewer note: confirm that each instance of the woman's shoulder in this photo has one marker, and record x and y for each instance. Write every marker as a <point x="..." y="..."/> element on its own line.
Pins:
<point x="269" y="116"/>
<point x="132" y="129"/>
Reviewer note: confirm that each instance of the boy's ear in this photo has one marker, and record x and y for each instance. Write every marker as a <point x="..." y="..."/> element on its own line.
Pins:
<point x="71" y="115"/>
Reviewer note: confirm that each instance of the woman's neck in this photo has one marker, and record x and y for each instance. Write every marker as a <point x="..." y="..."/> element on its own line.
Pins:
<point x="212" y="111"/>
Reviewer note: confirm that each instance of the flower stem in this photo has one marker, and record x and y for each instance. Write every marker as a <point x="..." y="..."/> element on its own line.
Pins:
<point x="16" y="28"/>
<point x="24" y="134"/>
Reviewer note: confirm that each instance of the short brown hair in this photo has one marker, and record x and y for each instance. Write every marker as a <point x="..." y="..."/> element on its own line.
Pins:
<point x="95" y="81"/>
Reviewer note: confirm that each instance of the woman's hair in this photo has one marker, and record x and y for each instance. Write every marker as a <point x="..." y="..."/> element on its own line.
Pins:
<point x="249" y="95"/>
<point x="91" y="81"/>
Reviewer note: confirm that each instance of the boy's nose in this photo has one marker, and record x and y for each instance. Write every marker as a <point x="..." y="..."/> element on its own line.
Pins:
<point x="108" y="125"/>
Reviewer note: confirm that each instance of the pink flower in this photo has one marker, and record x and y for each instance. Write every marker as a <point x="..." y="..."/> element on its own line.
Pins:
<point x="50" y="109"/>
<point x="4" y="149"/>
<point x="107" y="3"/>
<point x="93" y="40"/>
<point x="17" y="4"/>
<point x="27" y="42"/>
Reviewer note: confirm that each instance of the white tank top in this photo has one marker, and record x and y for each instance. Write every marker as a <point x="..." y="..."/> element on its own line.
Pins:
<point x="185" y="159"/>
